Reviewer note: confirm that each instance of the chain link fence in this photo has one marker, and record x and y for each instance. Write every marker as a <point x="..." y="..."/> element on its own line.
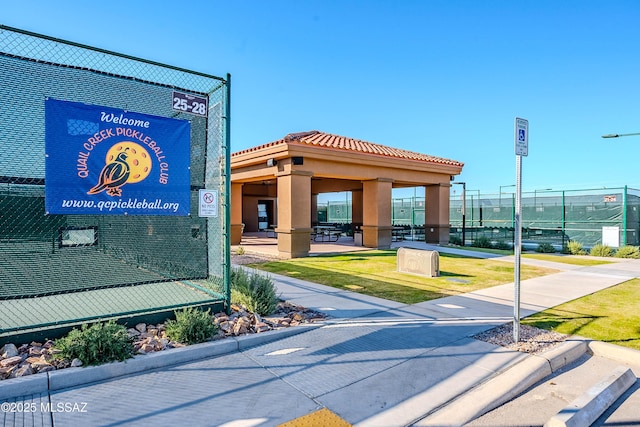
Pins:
<point x="60" y="269"/>
<point x="590" y="216"/>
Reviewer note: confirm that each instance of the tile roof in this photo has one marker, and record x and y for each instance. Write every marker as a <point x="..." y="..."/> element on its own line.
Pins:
<point x="326" y="140"/>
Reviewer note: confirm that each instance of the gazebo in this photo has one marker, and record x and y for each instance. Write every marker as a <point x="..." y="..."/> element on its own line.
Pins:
<point x="283" y="179"/>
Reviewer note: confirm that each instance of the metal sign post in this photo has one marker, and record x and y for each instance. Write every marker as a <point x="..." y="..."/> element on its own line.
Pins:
<point x="521" y="149"/>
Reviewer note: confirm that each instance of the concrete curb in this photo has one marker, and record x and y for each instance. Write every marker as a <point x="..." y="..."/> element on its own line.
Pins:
<point x="614" y="352"/>
<point x="584" y="410"/>
<point x="506" y="385"/>
<point x="594" y="402"/>
<point x="71" y="377"/>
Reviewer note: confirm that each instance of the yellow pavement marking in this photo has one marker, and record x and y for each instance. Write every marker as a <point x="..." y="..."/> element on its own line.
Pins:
<point x="319" y="418"/>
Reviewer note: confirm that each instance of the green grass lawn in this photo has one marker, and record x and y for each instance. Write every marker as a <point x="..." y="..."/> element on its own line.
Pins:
<point x="374" y="273"/>
<point x="611" y="315"/>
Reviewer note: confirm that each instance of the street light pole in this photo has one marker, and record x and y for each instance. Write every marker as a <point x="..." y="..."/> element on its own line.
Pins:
<point x="535" y="193"/>
<point x="624" y="204"/>
<point x="472" y="206"/>
<point x="500" y="193"/>
<point x="618" y="135"/>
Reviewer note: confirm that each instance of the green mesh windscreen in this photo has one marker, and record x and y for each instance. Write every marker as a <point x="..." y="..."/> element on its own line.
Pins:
<point x="58" y="268"/>
<point x="551" y="216"/>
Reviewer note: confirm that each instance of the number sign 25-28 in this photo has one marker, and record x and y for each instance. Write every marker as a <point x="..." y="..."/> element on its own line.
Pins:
<point x="190" y="103"/>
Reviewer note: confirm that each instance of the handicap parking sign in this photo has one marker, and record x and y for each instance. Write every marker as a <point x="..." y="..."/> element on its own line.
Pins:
<point x="521" y="137"/>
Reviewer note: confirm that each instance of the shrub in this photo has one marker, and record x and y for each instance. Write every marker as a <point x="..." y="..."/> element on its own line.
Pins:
<point x="574" y="248"/>
<point x="600" y="250"/>
<point x="482" y="242"/>
<point x="455" y="240"/>
<point x="628" y="252"/>
<point x="502" y="245"/>
<point x="546" y="248"/>
<point x="191" y="326"/>
<point x="96" y="344"/>
<point x="255" y="291"/>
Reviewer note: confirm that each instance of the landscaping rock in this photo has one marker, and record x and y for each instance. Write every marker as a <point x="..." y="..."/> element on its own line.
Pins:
<point x="9" y="350"/>
<point x="23" y="371"/>
<point x="10" y="361"/>
<point x="38" y="357"/>
<point x="532" y="340"/>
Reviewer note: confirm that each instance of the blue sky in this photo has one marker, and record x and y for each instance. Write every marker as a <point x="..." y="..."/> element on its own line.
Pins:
<point x="445" y="78"/>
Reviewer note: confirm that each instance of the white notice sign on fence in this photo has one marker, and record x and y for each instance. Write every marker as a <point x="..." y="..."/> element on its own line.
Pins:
<point x="208" y="203"/>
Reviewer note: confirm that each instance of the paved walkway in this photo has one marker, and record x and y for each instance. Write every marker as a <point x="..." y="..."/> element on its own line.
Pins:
<point x="374" y="363"/>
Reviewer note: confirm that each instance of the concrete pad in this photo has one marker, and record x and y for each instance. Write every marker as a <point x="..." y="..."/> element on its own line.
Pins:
<point x="469" y="305"/>
<point x="405" y="392"/>
<point x="493" y="358"/>
<point x="72" y="377"/>
<point x="562" y="266"/>
<point x="226" y="389"/>
<point x="627" y="268"/>
<point x="437" y="318"/>
<point x="252" y="340"/>
<point x="588" y="407"/>
<point x="490" y="394"/>
<point x="337" y="355"/>
<point x="501" y="388"/>
<point x="23" y="386"/>
<point x="27" y="411"/>
<point x="335" y="302"/>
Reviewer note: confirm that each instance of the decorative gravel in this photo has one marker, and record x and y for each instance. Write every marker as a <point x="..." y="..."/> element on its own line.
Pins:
<point x="532" y="340"/>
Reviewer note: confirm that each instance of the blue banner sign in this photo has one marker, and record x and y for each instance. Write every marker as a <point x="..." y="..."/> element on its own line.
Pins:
<point x="106" y="161"/>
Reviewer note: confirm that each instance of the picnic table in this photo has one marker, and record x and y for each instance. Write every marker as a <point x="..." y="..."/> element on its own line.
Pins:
<point x="325" y="233"/>
<point x="399" y="233"/>
<point x="271" y="231"/>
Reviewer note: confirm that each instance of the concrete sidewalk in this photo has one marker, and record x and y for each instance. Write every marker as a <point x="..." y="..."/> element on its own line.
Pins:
<point x="374" y="363"/>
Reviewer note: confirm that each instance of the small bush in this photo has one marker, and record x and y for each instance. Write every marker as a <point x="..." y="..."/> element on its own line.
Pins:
<point x="574" y="248"/>
<point x="255" y="291"/>
<point x="545" y="248"/>
<point x="482" y="242"/>
<point x="628" y="252"/>
<point x="601" y="250"/>
<point x="96" y="344"/>
<point x="240" y="250"/>
<point x="455" y="240"/>
<point x="191" y="326"/>
<point x="502" y="245"/>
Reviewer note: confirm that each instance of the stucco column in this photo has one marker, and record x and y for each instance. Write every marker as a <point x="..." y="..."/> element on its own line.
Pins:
<point x="294" y="213"/>
<point x="376" y="215"/>
<point x="314" y="209"/>
<point x="236" y="213"/>
<point x="436" y="214"/>
<point x="356" y="207"/>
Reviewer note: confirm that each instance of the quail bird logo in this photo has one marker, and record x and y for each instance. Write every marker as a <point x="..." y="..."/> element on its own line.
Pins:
<point x="125" y="163"/>
<point x="113" y="176"/>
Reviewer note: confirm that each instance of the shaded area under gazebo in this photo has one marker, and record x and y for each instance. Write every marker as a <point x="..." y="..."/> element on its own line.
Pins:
<point x="275" y="186"/>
